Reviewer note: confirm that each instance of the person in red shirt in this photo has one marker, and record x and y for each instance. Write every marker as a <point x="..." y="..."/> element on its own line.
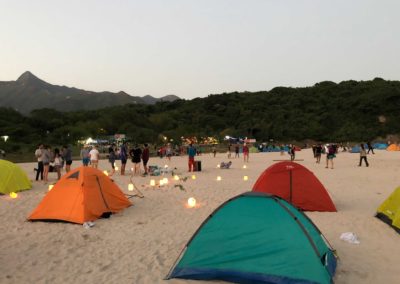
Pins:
<point x="145" y="158"/>
<point x="245" y="153"/>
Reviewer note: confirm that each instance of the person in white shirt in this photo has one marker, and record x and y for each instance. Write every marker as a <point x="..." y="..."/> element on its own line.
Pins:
<point x="94" y="157"/>
<point x="38" y="155"/>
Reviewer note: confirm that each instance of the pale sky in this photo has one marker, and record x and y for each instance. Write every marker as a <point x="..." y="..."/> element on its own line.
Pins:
<point x="196" y="48"/>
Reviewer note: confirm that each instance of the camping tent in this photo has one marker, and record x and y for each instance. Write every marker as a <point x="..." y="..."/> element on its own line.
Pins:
<point x="81" y="195"/>
<point x="380" y="146"/>
<point x="296" y="184"/>
<point x="257" y="238"/>
<point x="393" y="147"/>
<point x="12" y="178"/>
<point x="355" y="149"/>
<point x="389" y="211"/>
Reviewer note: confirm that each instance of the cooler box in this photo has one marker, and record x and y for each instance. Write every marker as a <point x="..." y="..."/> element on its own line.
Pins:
<point x="197" y="166"/>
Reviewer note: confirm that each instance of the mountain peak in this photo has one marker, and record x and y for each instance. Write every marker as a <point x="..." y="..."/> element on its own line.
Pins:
<point x="27" y="76"/>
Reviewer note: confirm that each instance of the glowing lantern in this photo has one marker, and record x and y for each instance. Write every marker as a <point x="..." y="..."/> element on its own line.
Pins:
<point x="245" y="178"/>
<point x="130" y="187"/>
<point x="161" y="182"/>
<point x="51" y="187"/>
<point x="244" y="167"/>
<point x="191" y="202"/>
<point x="166" y="166"/>
<point x="131" y="169"/>
<point x="193" y="176"/>
<point x="219" y="178"/>
<point x="116" y="168"/>
<point x="106" y="173"/>
<point x="165" y="180"/>
<point x="13" y="195"/>
<point x="176" y="177"/>
<point x="152" y="182"/>
<point x="218" y="166"/>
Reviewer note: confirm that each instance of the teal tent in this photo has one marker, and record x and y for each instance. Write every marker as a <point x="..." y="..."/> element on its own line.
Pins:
<point x="257" y="238"/>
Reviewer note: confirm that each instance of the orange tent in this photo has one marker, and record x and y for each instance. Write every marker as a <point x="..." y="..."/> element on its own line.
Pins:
<point x="393" y="147"/>
<point x="82" y="195"/>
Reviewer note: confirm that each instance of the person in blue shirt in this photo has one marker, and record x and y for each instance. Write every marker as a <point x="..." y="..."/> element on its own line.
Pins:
<point x="191" y="153"/>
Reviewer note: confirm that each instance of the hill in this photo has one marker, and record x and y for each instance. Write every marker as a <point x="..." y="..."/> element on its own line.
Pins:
<point x="28" y="93"/>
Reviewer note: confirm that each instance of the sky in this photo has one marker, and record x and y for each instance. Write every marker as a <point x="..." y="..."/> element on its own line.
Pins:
<point x="195" y="48"/>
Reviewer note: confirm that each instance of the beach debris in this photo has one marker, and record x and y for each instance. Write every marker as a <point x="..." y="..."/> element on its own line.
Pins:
<point x="180" y="187"/>
<point x="88" y="225"/>
<point x="350" y="238"/>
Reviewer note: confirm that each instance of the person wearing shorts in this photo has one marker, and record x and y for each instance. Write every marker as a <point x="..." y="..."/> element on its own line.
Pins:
<point x="94" y="157"/>
<point x="145" y="158"/>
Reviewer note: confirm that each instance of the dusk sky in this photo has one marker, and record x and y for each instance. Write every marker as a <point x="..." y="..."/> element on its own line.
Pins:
<point x="196" y="48"/>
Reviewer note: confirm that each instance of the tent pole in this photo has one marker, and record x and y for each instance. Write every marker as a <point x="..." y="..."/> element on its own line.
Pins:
<point x="291" y="188"/>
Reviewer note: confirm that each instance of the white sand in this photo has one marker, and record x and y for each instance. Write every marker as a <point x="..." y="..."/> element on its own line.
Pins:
<point x="140" y="244"/>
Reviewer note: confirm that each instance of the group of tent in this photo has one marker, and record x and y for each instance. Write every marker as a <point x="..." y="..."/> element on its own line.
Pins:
<point x="378" y="146"/>
<point x="260" y="236"/>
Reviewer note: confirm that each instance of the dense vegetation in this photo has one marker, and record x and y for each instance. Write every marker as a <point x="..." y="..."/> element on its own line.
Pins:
<point x="348" y="111"/>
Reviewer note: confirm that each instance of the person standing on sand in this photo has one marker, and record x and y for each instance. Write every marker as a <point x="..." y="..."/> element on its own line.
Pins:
<point x="38" y="155"/>
<point x="123" y="152"/>
<point x="214" y="151"/>
<point x="363" y="156"/>
<point x="111" y="158"/>
<point x="94" y="157"/>
<point x="85" y="156"/>
<point x="292" y="152"/>
<point x="245" y="153"/>
<point x="370" y="148"/>
<point x="318" y="152"/>
<point x="330" y="155"/>
<point x="145" y="158"/>
<point x="57" y="162"/>
<point x="191" y="153"/>
<point x="136" y="155"/>
<point x="229" y="151"/>
<point x="46" y="157"/>
<point x="67" y="155"/>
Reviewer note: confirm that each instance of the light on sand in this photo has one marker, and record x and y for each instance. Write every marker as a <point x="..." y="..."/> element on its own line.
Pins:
<point x="218" y="166"/>
<point x="244" y="167"/>
<point x="130" y="187"/>
<point x="193" y="176"/>
<point x="245" y="178"/>
<point x="152" y="182"/>
<point x="116" y="168"/>
<point x="106" y="173"/>
<point x="51" y="186"/>
<point x="161" y="182"/>
<point x="219" y="178"/>
<point x="176" y="177"/>
<point x="165" y="180"/>
<point x="166" y="166"/>
<point x="191" y="202"/>
<point x="131" y="169"/>
<point x="13" y="195"/>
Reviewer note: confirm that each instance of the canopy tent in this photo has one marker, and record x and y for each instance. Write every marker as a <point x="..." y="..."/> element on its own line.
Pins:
<point x="12" y="178"/>
<point x="257" y="238"/>
<point x="296" y="184"/>
<point x="389" y="211"/>
<point x="84" y="194"/>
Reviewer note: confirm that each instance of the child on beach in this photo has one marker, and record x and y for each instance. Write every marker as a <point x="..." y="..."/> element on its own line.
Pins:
<point x="363" y="156"/>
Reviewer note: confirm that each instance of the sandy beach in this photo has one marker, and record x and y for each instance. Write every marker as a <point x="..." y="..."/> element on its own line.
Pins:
<point x="140" y="244"/>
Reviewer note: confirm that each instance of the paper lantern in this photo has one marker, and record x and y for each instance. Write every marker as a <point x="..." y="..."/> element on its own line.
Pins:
<point x="130" y="187"/>
<point x="176" y="177"/>
<point x="193" y="176"/>
<point x="13" y="195"/>
<point x="131" y="169"/>
<point x="166" y="166"/>
<point x="244" y="167"/>
<point x="165" y="180"/>
<point x="152" y="182"/>
<point x="245" y="178"/>
<point x="161" y="182"/>
<point x="116" y="168"/>
<point x="51" y="187"/>
<point x="191" y="202"/>
<point x="219" y="178"/>
<point x="218" y="166"/>
<point x="106" y="173"/>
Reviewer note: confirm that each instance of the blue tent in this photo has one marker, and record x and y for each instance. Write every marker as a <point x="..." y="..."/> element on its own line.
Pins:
<point x="356" y="149"/>
<point x="380" y="146"/>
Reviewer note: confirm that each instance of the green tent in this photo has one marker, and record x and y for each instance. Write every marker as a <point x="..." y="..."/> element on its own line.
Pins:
<point x="12" y="178"/>
<point x="257" y="238"/>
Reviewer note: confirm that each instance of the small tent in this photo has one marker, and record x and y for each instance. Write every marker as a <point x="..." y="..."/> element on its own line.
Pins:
<point x="389" y="211"/>
<point x="84" y="194"/>
<point x="257" y="238"/>
<point x="380" y="146"/>
<point x="296" y="184"/>
<point x="393" y="147"/>
<point x="12" y="178"/>
<point x="355" y="149"/>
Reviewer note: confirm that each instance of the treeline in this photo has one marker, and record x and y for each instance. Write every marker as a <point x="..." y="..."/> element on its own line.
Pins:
<point x="348" y="111"/>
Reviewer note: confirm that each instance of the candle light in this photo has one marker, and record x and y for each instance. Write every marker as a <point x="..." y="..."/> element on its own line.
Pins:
<point x="116" y="168"/>
<point x="152" y="182"/>
<point x="176" y="177"/>
<point x="191" y="202"/>
<point x="244" y="167"/>
<point x="165" y="180"/>
<point x="51" y="187"/>
<point x="106" y="173"/>
<point x="245" y="178"/>
<point x="13" y="195"/>
<point x="218" y="166"/>
<point x="193" y="176"/>
<point x="130" y="187"/>
<point x="219" y="178"/>
<point x="161" y="182"/>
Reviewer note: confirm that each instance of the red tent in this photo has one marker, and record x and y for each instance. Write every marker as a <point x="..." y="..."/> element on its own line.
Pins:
<point x="297" y="185"/>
